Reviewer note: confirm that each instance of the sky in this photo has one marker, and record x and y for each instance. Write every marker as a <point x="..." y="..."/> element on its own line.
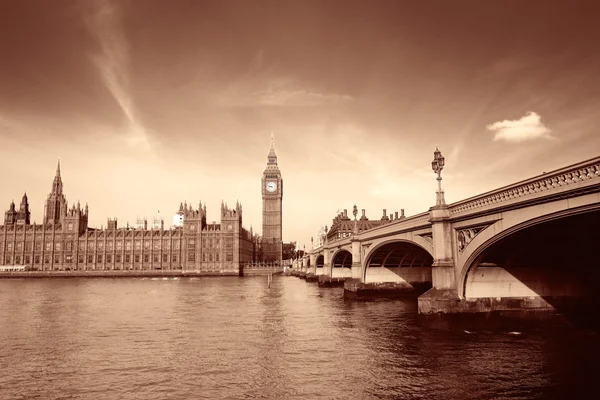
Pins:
<point x="151" y="103"/>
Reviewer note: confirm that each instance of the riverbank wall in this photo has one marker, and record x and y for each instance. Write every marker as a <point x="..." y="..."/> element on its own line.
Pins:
<point x="128" y="274"/>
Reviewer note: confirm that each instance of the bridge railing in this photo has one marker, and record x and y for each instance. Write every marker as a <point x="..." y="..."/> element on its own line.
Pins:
<point x="400" y="225"/>
<point x="583" y="171"/>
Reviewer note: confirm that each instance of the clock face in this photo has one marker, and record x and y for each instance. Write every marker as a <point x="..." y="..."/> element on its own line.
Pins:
<point x="271" y="186"/>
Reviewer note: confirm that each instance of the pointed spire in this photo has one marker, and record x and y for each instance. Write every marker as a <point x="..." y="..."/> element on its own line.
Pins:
<point x="272" y="157"/>
<point x="57" y="183"/>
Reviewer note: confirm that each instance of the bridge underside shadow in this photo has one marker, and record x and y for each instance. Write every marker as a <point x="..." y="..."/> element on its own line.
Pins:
<point x="319" y="265"/>
<point x="396" y="269"/>
<point x="342" y="265"/>
<point x="554" y="265"/>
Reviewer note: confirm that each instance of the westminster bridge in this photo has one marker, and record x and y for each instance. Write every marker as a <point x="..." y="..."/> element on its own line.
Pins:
<point x="529" y="245"/>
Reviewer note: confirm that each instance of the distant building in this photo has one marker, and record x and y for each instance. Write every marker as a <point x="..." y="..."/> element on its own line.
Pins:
<point x="65" y="242"/>
<point x="343" y="226"/>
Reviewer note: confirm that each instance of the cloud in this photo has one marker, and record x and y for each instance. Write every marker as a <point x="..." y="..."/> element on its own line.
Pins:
<point x="298" y="97"/>
<point x="113" y="65"/>
<point x="279" y="92"/>
<point x="528" y="127"/>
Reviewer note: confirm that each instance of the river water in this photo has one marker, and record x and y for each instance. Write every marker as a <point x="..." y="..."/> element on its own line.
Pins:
<point x="234" y="338"/>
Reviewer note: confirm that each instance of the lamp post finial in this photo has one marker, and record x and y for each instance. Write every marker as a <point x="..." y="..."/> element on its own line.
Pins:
<point x="437" y="165"/>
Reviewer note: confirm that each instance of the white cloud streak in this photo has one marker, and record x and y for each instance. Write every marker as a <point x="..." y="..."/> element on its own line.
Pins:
<point x="298" y="97"/>
<point x="113" y="65"/>
<point x="279" y="92"/>
<point x="528" y="127"/>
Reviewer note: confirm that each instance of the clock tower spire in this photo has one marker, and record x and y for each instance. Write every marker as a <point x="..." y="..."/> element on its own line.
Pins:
<point x="272" y="196"/>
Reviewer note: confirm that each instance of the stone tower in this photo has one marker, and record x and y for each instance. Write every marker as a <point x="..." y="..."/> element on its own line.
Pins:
<point x="76" y="219"/>
<point x="10" y="216"/>
<point x="272" y="195"/>
<point x="24" y="215"/>
<point x="56" y="204"/>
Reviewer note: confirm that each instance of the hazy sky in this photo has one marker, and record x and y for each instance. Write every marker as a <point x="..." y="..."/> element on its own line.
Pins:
<point x="151" y="103"/>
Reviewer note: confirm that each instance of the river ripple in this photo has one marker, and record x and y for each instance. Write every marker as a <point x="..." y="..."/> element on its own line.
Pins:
<point x="234" y="338"/>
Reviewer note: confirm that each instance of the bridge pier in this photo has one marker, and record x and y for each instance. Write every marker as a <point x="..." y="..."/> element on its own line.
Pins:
<point x="446" y="302"/>
<point x="327" y="281"/>
<point x="356" y="258"/>
<point x="327" y="263"/>
<point x="355" y="289"/>
<point x="311" y="271"/>
<point x="443" y="294"/>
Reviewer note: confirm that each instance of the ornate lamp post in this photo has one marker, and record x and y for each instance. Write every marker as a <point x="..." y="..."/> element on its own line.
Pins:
<point x="437" y="165"/>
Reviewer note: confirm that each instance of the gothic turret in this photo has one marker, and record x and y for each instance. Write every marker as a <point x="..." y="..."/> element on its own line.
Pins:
<point x="231" y="219"/>
<point x="23" y="215"/>
<point x="75" y="219"/>
<point x="56" y="204"/>
<point x="10" y="216"/>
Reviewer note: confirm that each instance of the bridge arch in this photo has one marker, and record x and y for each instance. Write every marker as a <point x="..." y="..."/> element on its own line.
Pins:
<point x="407" y="238"/>
<point x="510" y="249"/>
<point x="342" y="259"/>
<point x="320" y="261"/>
<point x="397" y="261"/>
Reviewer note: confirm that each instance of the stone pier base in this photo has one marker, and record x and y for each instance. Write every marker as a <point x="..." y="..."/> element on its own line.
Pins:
<point x="327" y="281"/>
<point x="310" y="277"/>
<point x="437" y="301"/>
<point x="355" y="289"/>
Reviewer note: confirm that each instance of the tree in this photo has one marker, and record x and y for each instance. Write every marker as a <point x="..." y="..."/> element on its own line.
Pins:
<point x="289" y="250"/>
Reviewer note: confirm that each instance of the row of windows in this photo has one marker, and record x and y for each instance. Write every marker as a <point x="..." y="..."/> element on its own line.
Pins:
<point x="109" y="258"/>
<point x="118" y="245"/>
<point x="105" y="267"/>
<point x="90" y="258"/>
<point x="210" y="257"/>
<point x="147" y="254"/>
<point x="100" y="245"/>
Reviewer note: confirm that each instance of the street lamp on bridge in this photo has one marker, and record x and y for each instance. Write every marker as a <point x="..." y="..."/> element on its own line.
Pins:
<point x="437" y="165"/>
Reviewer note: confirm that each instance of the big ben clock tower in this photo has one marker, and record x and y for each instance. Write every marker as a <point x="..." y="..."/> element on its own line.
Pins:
<point x="272" y="195"/>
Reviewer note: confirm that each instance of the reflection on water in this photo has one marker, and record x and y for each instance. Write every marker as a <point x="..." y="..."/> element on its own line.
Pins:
<point x="235" y="338"/>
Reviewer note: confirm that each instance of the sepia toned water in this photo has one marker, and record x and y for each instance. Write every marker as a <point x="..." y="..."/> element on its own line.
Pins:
<point x="234" y="338"/>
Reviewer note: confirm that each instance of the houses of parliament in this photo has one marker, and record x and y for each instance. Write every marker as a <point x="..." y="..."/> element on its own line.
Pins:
<point x="64" y="241"/>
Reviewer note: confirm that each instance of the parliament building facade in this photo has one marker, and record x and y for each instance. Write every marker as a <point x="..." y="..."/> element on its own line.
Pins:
<point x="65" y="242"/>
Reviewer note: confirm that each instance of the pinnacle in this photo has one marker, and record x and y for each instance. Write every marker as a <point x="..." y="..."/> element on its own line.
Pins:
<point x="272" y="154"/>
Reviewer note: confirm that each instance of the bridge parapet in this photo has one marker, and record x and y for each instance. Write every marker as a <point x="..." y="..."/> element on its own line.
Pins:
<point x="397" y="226"/>
<point x="335" y="243"/>
<point x="560" y="180"/>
